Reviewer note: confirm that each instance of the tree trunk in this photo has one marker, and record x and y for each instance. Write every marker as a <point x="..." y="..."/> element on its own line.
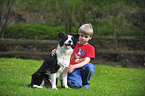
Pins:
<point x="115" y="40"/>
<point x="66" y="24"/>
<point x="70" y="23"/>
<point x="9" y="4"/>
<point x="1" y="14"/>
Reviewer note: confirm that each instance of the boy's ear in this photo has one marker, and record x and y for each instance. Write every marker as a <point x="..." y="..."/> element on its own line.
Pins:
<point x="90" y="37"/>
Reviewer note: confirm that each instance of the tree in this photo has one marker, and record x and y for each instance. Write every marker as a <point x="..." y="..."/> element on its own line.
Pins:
<point x="1" y="15"/>
<point x="6" y="14"/>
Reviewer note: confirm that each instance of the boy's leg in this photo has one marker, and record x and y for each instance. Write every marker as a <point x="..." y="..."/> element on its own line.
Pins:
<point x="87" y="72"/>
<point x="74" y="79"/>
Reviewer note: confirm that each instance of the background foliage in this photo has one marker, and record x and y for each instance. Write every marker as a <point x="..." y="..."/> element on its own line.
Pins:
<point x="32" y="31"/>
<point x="123" y="17"/>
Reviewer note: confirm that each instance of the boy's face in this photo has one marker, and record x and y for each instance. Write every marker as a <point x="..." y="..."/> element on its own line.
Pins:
<point x="83" y="39"/>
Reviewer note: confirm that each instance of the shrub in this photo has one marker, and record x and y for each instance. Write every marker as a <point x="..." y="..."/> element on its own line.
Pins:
<point x="32" y="31"/>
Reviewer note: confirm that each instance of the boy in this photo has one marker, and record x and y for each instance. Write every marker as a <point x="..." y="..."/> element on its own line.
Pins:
<point x="81" y="70"/>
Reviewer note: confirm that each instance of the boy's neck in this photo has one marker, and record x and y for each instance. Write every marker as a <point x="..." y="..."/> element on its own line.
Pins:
<point x="83" y="44"/>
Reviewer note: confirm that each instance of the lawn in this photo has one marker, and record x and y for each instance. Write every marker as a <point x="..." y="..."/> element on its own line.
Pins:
<point x="15" y="75"/>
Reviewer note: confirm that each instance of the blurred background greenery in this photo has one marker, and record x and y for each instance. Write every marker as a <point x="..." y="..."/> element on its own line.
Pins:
<point x="43" y="19"/>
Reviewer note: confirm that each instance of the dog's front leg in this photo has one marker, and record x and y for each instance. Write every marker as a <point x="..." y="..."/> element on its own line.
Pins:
<point x="64" y="79"/>
<point x="53" y="80"/>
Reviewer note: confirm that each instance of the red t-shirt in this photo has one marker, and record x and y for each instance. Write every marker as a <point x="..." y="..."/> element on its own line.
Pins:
<point x="81" y="52"/>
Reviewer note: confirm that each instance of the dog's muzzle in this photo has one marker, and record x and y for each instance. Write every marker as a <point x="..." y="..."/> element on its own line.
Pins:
<point x="68" y="46"/>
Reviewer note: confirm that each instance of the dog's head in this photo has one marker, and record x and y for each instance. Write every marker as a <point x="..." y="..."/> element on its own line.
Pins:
<point x="68" y="41"/>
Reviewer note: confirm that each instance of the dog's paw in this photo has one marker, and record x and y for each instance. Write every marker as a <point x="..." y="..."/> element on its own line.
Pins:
<point x="66" y="87"/>
<point x="54" y="88"/>
<point x="36" y="86"/>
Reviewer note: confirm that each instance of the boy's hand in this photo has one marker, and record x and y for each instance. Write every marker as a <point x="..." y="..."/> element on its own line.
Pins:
<point x="53" y="51"/>
<point x="70" y="69"/>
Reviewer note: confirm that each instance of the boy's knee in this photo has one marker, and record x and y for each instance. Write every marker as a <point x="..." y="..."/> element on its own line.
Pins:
<point x="90" y="67"/>
<point x="74" y="84"/>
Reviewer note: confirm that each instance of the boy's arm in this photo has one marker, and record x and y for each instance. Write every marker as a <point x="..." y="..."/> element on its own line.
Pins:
<point x="72" y="67"/>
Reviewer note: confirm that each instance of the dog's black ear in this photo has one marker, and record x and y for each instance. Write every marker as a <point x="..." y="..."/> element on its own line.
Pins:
<point x="75" y="35"/>
<point x="76" y="38"/>
<point x="60" y="35"/>
<point x="60" y="38"/>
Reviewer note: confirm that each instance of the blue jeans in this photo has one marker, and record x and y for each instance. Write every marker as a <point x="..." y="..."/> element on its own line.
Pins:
<point x="80" y="77"/>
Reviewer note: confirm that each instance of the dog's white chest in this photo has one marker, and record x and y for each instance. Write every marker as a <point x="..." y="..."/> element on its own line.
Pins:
<point x="63" y="57"/>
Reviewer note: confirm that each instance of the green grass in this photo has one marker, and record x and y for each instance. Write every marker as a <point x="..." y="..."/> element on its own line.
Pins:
<point x="15" y="75"/>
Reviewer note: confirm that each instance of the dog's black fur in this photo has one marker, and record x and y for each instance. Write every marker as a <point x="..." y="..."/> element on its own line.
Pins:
<point x="50" y="65"/>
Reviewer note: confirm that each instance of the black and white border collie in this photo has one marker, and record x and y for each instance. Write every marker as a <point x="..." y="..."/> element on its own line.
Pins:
<point x="55" y="66"/>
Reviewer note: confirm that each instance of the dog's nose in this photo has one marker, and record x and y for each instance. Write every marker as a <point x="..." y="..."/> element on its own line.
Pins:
<point x="69" y="41"/>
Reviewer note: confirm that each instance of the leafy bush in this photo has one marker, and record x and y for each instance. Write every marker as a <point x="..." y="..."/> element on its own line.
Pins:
<point x="105" y="27"/>
<point x="32" y="31"/>
<point x="42" y="32"/>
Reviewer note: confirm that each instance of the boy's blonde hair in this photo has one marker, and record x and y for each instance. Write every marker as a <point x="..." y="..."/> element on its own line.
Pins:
<point x="86" y="29"/>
